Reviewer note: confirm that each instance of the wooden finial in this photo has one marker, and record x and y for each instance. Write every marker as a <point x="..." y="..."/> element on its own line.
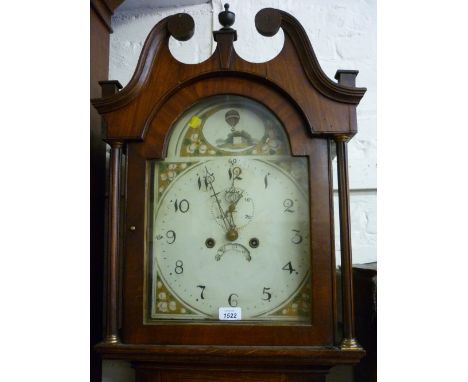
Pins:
<point x="226" y="18"/>
<point x="226" y="35"/>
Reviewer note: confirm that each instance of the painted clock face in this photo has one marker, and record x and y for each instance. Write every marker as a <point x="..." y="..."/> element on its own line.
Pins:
<point x="229" y="219"/>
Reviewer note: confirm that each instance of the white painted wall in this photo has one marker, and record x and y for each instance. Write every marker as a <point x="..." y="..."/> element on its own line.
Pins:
<point x="343" y="34"/>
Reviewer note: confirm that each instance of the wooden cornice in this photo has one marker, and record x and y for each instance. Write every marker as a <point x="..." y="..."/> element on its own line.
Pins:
<point x="295" y="70"/>
<point x="269" y="20"/>
<point x="181" y="26"/>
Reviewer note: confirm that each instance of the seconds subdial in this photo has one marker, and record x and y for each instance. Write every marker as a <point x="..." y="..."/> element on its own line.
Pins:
<point x="238" y="212"/>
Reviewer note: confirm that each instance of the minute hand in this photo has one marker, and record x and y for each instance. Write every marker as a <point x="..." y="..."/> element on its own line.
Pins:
<point x="227" y="225"/>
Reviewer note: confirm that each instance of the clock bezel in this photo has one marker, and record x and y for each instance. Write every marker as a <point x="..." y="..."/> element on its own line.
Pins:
<point x="154" y="146"/>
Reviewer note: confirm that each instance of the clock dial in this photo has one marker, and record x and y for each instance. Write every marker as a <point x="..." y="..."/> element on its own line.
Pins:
<point x="230" y="230"/>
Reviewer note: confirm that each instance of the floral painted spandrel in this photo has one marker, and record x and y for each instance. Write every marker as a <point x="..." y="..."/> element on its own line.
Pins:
<point x="166" y="303"/>
<point x="168" y="172"/>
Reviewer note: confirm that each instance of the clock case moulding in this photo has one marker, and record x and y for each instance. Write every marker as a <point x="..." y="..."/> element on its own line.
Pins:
<point x="315" y="111"/>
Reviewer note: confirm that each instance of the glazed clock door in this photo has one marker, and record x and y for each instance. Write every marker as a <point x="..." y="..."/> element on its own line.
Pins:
<point x="228" y="238"/>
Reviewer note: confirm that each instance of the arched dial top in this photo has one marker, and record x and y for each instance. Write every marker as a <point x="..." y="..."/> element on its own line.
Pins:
<point x="227" y="125"/>
<point x="229" y="218"/>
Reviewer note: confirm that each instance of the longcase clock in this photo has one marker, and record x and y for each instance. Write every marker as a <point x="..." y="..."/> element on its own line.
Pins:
<point x="220" y="261"/>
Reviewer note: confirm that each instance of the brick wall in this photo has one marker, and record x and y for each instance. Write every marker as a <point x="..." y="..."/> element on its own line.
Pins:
<point x="343" y="34"/>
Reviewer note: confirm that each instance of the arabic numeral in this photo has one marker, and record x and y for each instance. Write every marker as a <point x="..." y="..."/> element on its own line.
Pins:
<point x="204" y="181"/>
<point x="234" y="173"/>
<point x="202" y="287"/>
<point x="232" y="300"/>
<point x="297" y="238"/>
<point x="171" y="235"/>
<point x="182" y="206"/>
<point x="265" y="180"/>
<point x="288" y="267"/>
<point x="288" y="204"/>
<point x="266" y="294"/>
<point x="179" y="268"/>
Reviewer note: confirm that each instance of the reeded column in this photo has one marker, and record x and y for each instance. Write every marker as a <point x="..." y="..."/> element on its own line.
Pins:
<point x="349" y="341"/>
<point x="113" y="244"/>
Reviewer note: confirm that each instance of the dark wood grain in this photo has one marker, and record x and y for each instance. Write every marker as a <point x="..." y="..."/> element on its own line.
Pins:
<point x="280" y="357"/>
<point x="321" y="330"/>
<point x="230" y="362"/>
<point x="326" y="104"/>
<point x="113" y="245"/>
<point x="346" y="77"/>
<point x="110" y="87"/>
<point x="225" y="48"/>
<point x="181" y="26"/>
<point x="267" y="21"/>
<point x="99" y="53"/>
<point x="349" y="337"/>
<point x="98" y="70"/>
<point x="103" y="11"/>
<point x="315" y="111"/>
<point x="365" y="307"/>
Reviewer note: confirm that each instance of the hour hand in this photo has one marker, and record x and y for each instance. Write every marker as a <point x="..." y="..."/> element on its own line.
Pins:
<point x="232" y="234"/>
<point x="233" y="196"/>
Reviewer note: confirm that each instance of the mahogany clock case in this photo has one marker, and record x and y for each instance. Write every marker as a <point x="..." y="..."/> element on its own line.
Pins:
<point x="320" y="331"/>
<point x="314" y="110"/>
